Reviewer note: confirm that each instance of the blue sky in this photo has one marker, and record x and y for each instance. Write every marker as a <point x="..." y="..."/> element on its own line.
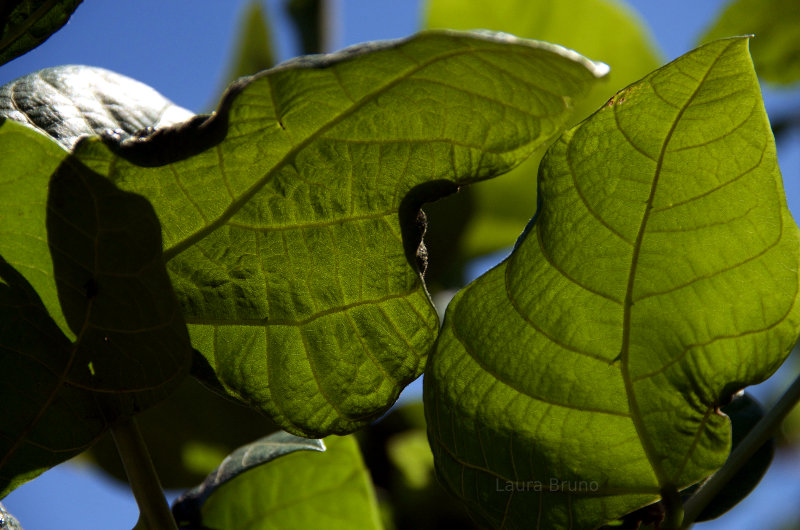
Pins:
<point x="180" y="48"/>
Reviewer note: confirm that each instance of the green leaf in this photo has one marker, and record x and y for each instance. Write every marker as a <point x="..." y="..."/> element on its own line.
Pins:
<point x="579" y="379"/>
<point x="25" y="24"/>
<point x="114" y="290"/>
<point x="188" y="507"/>
<point x="290" y="216"/>
<point x="95" y="253"/>
<point x="600" y="29"/>
<point x="69" y="102"/>
<point x="27" y="159"/>
<point x="776" y="47"/>
<point x="34" y="350"/>
<point x="301" y="490"/>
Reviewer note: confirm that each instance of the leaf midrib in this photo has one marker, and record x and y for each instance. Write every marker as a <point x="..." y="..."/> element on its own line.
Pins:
<point x="635" y="412"/>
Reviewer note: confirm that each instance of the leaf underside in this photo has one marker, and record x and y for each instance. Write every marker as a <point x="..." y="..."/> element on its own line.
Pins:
<point x="90" y="329"/>
<point x="290" y="219"/>
<point x="578" y="380"/>
<point x="305" y="489"/>
<point x="188" y="507"/>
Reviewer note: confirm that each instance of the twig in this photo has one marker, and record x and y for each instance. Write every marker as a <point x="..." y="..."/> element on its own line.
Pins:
<point x="153" y="507"/>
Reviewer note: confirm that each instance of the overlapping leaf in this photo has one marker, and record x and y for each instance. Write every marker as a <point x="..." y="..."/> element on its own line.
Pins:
<point x="68" y="102"/>
<point x="290" y="216"/>
<point x="605" y="31"/>
<point x="25" y="24"/>
<point x="89" y="327"/>
<point x="304" y="489"/>
<point x="579" y="379"/>
<point x="188" y="508"/>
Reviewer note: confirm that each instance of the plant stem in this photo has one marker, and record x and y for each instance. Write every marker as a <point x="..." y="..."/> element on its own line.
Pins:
<point x="328" y="24"/>
<point x="762" y="432"/>
<point x="673" y="508"/>
<point x="146" y="487"/>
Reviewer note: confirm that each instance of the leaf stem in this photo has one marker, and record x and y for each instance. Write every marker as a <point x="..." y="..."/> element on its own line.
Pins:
<point x="762" y="432"/>
<point x="673" y="508"/>
<point x="142" y="476"/>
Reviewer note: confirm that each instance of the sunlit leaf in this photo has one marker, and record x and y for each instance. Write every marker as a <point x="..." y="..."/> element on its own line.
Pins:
<point x="68" y="102"/>
<point x="603" y="30"/>
<point x="290" y="216"/>
<point x="579" y="379"/>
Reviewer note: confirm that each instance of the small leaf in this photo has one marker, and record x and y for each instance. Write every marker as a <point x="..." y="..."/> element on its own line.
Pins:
<point x="187" y="508"/>
<point x="25" y="24"/>
<point x="659" y="276"/>
<point x="290" y="216"/>
<point x="68" y="102"/>
<point x="776" y="46"/>
<point x="301" y="490"/>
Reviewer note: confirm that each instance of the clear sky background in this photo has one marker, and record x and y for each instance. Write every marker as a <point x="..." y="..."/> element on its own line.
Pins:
<point x="180" y="47"/>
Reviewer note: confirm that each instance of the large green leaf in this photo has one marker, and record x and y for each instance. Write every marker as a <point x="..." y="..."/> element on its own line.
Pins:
<point x="601" y="29"/>
<point x="776" y="47"/>
<point x="105" y="338"/>
<point x="299" y="491"/>
<point x="25" y="24"/>
<point x="579" y="379"/>
<point x="290" y="217"/>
